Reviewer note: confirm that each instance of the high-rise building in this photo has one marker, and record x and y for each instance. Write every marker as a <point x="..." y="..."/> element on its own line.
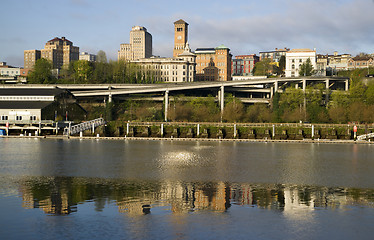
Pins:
<point x="59" y="51"/>
<point x="30" y="57"/>
<point x="221" y="58"/>
<point x="140" y="45"/>
<point x="180" y="37"/>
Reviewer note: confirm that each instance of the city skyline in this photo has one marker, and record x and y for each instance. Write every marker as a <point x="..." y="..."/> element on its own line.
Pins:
<point x="245" y="27"/>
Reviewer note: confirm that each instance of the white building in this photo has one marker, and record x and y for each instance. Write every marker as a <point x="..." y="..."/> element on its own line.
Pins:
<point x="180" y="69"/>
<point x="296" y="57"/>
<point x="9" y="71"/>
<point x="140" y="45"/>
<point x="88" y="57"/>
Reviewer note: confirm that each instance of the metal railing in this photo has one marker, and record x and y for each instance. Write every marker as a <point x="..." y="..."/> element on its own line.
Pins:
<point x="71" y="130"/>
<point x="365" y="136"/>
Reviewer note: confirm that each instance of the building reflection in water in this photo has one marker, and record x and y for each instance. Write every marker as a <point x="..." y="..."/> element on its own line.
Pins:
<point x="61" y="195"/>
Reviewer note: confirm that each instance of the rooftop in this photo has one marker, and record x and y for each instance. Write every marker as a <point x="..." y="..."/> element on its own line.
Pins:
<point x="180" y="21"/>
<point x="222" y="47"/>
<point x="302" y="50"/>
<point x="30" y="92"/>
<point x="23" y="104"/>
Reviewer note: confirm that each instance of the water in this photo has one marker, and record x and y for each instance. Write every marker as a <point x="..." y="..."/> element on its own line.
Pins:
<point x="113" y="189"/>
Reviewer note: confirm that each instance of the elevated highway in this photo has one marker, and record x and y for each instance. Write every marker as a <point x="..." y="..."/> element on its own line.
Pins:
<point x="249" y="91"/>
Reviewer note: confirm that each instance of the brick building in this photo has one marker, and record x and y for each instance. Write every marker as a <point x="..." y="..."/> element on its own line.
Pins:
<point x="243" y="65"/>
<point x="221" y="58"/>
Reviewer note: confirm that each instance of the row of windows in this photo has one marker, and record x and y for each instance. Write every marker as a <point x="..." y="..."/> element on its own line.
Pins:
<point x="18" y="118"/>
<point x="206" y="58"/>
<point x="300" y="60"/>
<point x="173" y="73"/>
<point x="7" y="72"/>
<point x="33" y="98"/>
<point x="293" y="66"/>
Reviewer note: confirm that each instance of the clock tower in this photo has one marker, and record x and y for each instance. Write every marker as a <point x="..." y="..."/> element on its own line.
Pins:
<point x="180" y="37"/>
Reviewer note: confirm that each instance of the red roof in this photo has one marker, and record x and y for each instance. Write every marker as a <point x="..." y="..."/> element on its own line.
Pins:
<point x="59" y="39"/>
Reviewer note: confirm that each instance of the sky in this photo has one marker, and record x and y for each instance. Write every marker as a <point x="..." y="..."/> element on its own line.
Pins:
<point x="244" y="26"/>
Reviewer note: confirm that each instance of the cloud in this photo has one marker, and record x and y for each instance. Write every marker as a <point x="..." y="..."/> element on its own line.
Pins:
<point x="315" y="24"/>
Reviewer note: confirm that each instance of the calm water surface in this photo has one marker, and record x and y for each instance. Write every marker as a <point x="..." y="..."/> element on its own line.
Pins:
<point x="112" y="189"/>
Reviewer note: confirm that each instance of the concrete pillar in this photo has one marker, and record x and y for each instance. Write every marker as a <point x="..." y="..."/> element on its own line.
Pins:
<point x="69" y="128"/>
<point x="271" y="92"/>
<point x="273" y="130"/>
<point x="198" y="130"/>
<point x="93" y="127"/>
<point x="327" y="89"/>
<point x="127" y="129"/>
<point x="110" y="94"/>
<point x="166" y="104"/>
<point x="56" y="128"/>
<point x="162" y="129"/>
<point x="80" y="134"/>
<point x="276" y="86"/>
<point x="346" y="85"/>
<point x="312" y="131"/>
<point x="304" y="85"/>
<point x="296" y="86"/>
<point x="234" y="130"/>
<point x="222" y="98"/>
<point x="40" y="128"/>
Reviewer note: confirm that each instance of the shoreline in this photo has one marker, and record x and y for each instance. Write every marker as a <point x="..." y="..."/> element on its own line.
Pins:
<point x="327" y="141"/>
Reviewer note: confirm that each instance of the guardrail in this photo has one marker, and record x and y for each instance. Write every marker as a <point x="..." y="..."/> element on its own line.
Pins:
<point x="365" y="136"/>
<point x="71" y="130"/>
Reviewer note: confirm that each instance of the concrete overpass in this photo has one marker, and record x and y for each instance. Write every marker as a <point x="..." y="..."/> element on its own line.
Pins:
<point x="255" y="90"/>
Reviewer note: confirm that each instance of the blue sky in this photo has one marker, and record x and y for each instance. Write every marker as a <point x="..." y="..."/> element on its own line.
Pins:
<point x="245" y="26"/>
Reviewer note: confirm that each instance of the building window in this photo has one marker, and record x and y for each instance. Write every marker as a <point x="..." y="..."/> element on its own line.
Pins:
<point x="18" y="118"/>
<point x="4" y="118"/>
<point x="32" y="118"/>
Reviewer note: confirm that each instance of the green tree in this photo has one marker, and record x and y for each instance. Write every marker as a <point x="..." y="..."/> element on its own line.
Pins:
<point x="42" y="72"/>
<point x="83" y="70"/>
<point x="233" y="111"/>
<point x="282" y="65"/>
<point x="101" y="57"/>
<point x="357" y="92"/>
<point x="291" y="104"/>
<point x="276" y="108"/>
<point x="339" y="99"/>
<point x="102" y="73"/>
<point x="119" y="71"/>
<point x="263" y="68"/>
<point x="369" y="94"/>
<point x="306" y="69"/>
<point x="258" y="113"/>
